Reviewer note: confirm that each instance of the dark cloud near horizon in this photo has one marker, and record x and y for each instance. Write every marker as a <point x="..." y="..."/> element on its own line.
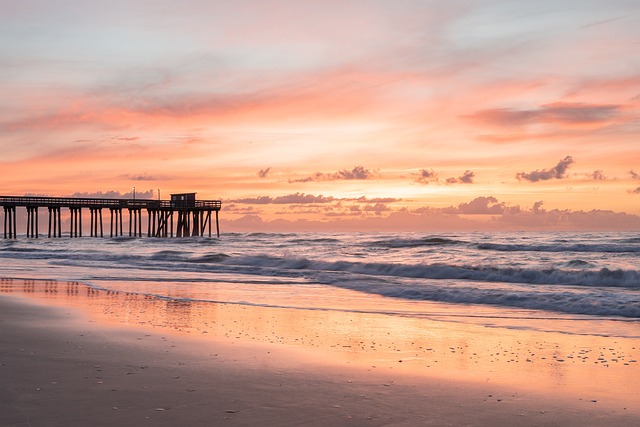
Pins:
<point x="143" y="177"/>
<point x="235" y="209"/>
<point x="112" y="194"/>
<point x="557" y="172"/>
<point x="295" y="198"/>
<point x="364" y="199"/>
<point x="558" y="112"/>
<point x="465" y="178"/>
<point x="636" y="191"/>
<point x="483" y="205"/>
<point x="634" y="175"/>
<point x="376" y="208"/>
<point x="427" y="176"/>
<point x="357" y="173"/>
<point x="302" y="198"/>
<point x="262" y="173"/>
<point x="598" y="175"/>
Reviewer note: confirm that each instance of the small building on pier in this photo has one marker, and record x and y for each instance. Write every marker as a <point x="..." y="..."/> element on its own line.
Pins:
<point x="183" y="200"/>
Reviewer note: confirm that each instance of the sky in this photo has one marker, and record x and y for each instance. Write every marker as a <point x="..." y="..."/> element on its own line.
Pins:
<point x="331" y="115"/>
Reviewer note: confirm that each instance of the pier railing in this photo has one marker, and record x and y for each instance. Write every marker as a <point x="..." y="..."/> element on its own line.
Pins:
<point x="83" y="202"/>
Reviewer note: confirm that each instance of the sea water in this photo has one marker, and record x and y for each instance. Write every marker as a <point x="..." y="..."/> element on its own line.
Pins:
<point x="583" y="282"/>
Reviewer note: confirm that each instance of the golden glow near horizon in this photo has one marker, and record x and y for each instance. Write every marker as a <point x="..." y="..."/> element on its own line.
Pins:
<point x="322" y="116"/>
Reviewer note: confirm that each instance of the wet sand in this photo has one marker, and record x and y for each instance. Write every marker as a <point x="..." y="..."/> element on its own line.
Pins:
<point x="73" y="355"/>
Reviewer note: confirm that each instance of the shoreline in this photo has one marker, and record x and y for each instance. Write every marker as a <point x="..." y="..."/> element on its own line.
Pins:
<point x="73" y="355"/>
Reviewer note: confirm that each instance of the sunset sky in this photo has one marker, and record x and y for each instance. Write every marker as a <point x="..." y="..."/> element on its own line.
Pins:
<point x="331" y="115"/>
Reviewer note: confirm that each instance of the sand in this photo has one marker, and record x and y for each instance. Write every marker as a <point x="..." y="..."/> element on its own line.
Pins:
<point x="78" y="357"/>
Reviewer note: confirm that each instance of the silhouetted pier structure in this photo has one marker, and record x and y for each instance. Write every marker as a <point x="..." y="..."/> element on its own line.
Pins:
<point x="193" y="216"/>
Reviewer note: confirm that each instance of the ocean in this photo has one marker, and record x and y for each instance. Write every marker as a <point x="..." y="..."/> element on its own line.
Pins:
<point x="575" y="283"/>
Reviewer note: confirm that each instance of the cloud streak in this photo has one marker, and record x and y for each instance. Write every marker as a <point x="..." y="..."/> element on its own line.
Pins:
<point x="558" y="112"/>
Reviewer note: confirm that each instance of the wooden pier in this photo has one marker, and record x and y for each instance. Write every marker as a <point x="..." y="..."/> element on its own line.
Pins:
<point x="193" y="216"/>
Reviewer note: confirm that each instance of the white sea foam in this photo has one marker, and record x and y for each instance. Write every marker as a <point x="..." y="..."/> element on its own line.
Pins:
<point x="584" y="274"/>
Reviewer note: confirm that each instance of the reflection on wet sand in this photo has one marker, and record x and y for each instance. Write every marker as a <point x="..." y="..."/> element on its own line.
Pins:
<point x="595" y="369"/>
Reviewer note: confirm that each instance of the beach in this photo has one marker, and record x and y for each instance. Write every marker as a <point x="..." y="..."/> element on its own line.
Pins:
<point x="75" y="355"/>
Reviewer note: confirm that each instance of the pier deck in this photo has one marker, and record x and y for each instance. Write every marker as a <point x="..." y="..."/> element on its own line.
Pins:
<point x="193" y="216"/>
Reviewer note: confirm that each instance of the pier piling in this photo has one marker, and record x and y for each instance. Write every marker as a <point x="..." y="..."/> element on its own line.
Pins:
<point x="10" y="222"/>
<point x="96" y="219"/>
<point x="32" y="221"/>
<point x="55" y="223"/>
<point x="116" y="219"/>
